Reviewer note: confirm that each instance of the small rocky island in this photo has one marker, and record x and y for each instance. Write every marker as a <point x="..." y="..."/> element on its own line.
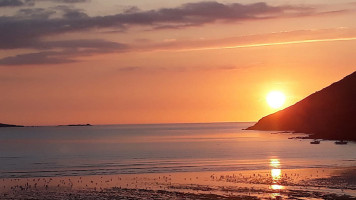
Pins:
<point x="9" y="125"/>
<point x="327" y="114"/>
<point x="77" y="125"/>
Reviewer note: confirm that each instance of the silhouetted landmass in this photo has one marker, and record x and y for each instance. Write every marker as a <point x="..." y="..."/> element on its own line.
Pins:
<point x="76" y="125"/>
<point x="327" y="114"/>
<point x="9" y="125"/>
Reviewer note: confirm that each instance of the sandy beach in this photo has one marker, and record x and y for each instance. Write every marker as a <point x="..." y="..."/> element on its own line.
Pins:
<point x="310" y="183"/>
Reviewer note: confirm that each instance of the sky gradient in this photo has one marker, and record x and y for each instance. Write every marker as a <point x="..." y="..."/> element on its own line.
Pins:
<point x="110" y="62"/>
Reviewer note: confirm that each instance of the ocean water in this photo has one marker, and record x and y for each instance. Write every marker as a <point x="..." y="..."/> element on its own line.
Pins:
<point x="155" y="148"/>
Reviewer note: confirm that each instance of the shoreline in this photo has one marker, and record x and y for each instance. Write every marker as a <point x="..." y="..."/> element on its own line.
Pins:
<point x="248" y="184"/>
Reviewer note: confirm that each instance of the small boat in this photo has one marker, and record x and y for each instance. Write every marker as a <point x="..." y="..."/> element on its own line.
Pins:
<point x="341" y="142"/>
<point x="315" y="142"/>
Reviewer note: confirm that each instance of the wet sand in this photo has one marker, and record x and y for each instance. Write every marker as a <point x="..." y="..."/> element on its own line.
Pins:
<point x="315" y="183"/>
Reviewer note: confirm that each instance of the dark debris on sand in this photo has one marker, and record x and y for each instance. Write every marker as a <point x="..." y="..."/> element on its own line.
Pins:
<point x="144" y="194"/>
<point x="118" y="193"/>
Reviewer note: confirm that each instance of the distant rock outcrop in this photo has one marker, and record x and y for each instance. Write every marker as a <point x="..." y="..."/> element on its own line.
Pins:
<point x="76" y="125"/>
<point x="327" y="114"/>
<point x="9" y="125"/>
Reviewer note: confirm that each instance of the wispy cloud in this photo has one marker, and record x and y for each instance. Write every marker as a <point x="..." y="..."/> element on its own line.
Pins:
<point x="70" y="1"/>
<point x="15" y="3"/>
<point x="58" y="52"/>
<point x="46" y="57"/>
<point x="153" y="69"/>
<point x="28" y="28"/>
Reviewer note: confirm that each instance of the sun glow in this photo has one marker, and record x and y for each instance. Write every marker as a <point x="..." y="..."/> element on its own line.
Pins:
<point x="275" y="99"/>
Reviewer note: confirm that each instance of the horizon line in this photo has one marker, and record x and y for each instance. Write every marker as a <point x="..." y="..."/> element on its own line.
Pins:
<point x="84" y="124"/>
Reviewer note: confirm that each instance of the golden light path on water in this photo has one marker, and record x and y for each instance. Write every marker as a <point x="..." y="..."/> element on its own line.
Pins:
<point x="276" y="174"/>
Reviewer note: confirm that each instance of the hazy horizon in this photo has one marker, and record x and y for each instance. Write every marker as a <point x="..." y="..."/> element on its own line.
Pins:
<point x="222" y="122"/>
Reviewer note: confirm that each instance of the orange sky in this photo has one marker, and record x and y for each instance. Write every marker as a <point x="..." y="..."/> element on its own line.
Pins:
<point x="111" y="63"/>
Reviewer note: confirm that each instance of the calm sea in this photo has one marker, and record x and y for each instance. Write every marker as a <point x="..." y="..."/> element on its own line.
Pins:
<point x="115" y="149"/>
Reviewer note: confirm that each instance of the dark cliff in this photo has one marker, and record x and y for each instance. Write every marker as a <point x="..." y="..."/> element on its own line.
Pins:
<point x="328" y="114"/>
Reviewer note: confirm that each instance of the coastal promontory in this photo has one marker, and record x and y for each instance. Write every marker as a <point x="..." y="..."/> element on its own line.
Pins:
<point x="9" y="125"/>
<point x="327" y="114"/>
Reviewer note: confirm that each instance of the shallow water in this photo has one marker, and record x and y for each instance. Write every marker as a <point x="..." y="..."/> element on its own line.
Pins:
<point x="119" y="149"/>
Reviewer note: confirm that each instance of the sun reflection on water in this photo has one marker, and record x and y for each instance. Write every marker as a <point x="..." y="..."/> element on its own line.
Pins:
<point x="277" y="187"/>
<point x="276" y="175"/>
<point x="274" y="163"/>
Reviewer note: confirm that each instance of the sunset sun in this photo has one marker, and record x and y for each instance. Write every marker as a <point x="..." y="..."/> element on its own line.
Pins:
<point x="275" y="99"/>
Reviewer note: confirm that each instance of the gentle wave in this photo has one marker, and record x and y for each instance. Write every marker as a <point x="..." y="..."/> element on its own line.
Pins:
<point x="158" y="148"/>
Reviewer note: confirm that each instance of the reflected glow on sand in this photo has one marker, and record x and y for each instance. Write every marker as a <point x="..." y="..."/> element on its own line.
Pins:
<point x="276" y="174"/>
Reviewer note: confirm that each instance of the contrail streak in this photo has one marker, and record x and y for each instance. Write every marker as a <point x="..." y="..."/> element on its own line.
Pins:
<point x="270" y="44"/>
